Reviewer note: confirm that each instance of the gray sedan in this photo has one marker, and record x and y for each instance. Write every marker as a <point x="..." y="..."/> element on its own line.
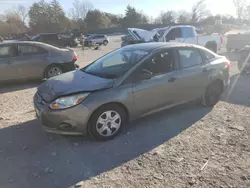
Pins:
<point x="129" y="83"/>
<point x="34" y="60"/>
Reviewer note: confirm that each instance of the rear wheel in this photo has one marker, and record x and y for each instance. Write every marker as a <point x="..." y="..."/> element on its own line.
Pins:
<point x="106" y="123"/>
<point x="213" y="94"/>
<point x="52" y="71"/>
<point x="105" y="43"/>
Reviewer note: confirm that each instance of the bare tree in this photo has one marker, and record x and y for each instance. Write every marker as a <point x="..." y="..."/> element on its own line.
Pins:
<point x="239" y="6"/>
<point x="183" y="17"/>
<point x="199" y="11"/>
<point x="80" y="9"/>
<point x="20" y="11"/>
<point x="167" y="17"/>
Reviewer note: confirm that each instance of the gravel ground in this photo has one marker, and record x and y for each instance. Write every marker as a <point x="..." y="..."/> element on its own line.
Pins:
<point x="187" y="146"/>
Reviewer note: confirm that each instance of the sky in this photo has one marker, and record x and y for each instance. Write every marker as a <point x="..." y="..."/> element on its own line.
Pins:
<point x="149" y="7"/>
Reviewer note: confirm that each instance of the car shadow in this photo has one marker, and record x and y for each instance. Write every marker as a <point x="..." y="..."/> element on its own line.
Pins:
<point x="16" y="86"/>
<point x="31" y="158"/>
<point x="238" y="90"/>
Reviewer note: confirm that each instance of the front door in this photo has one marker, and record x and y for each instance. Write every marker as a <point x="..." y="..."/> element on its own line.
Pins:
<point x="156" y="92"/>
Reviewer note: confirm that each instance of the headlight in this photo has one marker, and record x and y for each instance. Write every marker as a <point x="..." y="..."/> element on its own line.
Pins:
<point x="68" y="101"/>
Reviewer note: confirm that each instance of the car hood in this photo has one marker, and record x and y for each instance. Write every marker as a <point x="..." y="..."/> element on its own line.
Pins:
<point x="141" y="34"/>
<point x="70" y="83"/>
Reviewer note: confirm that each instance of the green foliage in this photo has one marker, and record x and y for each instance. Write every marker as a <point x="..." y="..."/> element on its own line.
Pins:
<point x="133" y="18"/>
<point x="95" y="19"/>
<point x="47" y="17"/>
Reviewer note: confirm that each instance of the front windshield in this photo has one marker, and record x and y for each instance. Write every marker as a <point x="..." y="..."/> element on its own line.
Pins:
<point x="116" y="63"/>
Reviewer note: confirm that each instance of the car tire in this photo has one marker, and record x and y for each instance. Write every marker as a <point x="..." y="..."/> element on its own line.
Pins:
<point x="107" y="122"/>
<point x="240" y="67"/>
<point x="52" y="70"/>
<point x="212" y="94"/>
<point x="105" y="43"/>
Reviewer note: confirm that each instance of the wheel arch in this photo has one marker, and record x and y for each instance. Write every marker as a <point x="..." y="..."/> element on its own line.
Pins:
<point x="112" y="103"/>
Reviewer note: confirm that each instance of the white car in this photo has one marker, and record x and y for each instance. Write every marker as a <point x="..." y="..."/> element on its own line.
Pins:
<point x="178" y="33"/>
<point x="98" y="39"/>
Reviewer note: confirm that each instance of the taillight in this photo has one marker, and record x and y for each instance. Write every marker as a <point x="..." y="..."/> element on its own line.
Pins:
<point x="74" y="57"/>
<point x="228" y="64"/>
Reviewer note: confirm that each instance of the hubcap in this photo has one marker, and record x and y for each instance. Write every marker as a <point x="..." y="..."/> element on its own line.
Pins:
<point x="54" y="71"/>
<point x="108" y="123"/>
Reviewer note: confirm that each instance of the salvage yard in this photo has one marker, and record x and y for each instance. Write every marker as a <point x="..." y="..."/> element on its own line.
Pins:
<point x="187" y="146"/>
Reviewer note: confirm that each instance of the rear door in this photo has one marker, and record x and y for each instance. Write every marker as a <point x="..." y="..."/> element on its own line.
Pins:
<point x="7" y="60"/>
<point x="193" y="75"/>
<point x="31" y="61"/>
<point x="99" y="39"/>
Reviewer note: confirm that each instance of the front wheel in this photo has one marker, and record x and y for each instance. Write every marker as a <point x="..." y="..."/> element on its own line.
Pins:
<point x="213" y="94"/>
<point x="106" y="123"/>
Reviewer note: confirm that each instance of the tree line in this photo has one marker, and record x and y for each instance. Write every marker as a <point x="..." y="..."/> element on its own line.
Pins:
<point x="44" y="16"/>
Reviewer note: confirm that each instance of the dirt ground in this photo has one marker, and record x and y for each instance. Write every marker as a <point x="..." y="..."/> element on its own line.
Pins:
<point x="187" y="146"/>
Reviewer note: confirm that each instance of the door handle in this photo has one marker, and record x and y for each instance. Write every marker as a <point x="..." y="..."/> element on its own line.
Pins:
<point x="172" y="79"/>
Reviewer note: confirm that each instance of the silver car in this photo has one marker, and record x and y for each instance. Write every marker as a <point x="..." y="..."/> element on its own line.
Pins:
<point x="34" y="60"/>
<point x="97" y="39"/>
<point x="129" y="83"/>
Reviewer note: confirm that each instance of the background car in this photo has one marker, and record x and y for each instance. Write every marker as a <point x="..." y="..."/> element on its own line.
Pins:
<point x="56" y="40"/>
<point x="97" y="39"/>
<point x="34" y="60"/>
<point x="129" y="83"/>
<point x="244" y="59"/>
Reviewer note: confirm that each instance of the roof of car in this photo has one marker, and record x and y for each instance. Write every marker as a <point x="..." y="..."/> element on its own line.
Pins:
<point x="30" y="42"/>
<point x="155" y="45"/>
<point x="47" y="34"/>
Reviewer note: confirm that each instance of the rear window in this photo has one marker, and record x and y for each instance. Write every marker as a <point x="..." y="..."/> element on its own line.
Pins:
<point x="187" y="32"/>
<point x="207" y="54"/>
<point x="50" y="37"/>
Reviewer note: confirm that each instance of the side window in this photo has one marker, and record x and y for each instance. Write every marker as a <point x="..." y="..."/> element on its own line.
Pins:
<point x="52" y="37"/>
<point x="173" y="34"/>
<point x="160" y="63"/>
<point x="207" y="55"/>
<point x="6" y="51"/>
<point x="188" y="32"/>
<point x="24" y="50"/>
<point x="189" y="58"/>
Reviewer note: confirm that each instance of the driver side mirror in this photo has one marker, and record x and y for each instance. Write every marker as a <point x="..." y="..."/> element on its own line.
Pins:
<point x="145" y="74"/>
